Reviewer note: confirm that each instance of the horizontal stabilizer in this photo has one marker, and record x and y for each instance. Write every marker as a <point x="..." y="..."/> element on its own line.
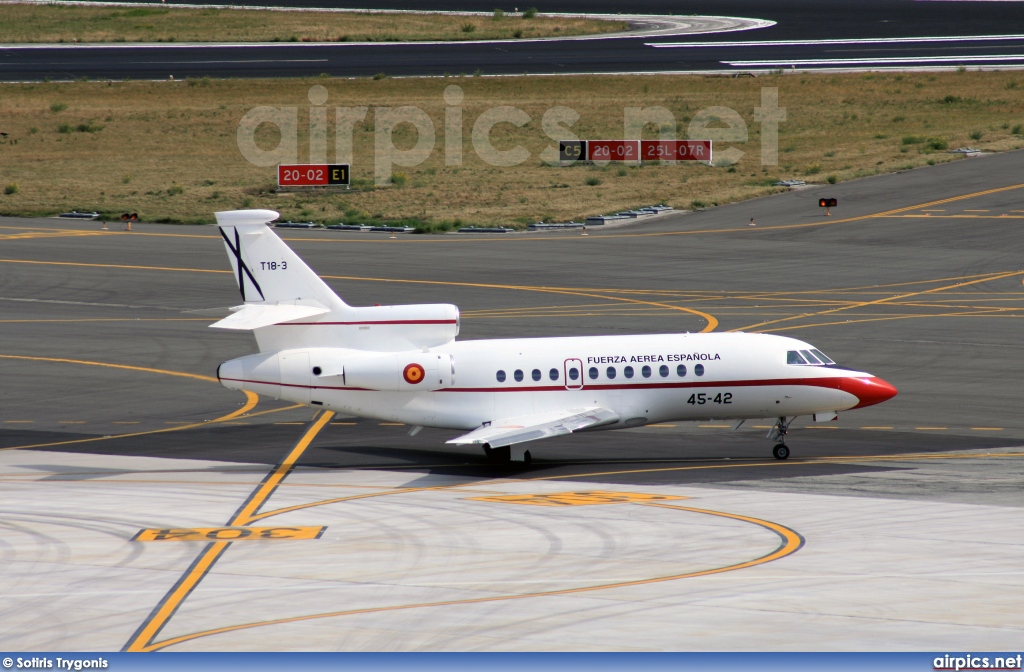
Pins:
<point x="537" y="426"/>
<point x="256" y="315"/>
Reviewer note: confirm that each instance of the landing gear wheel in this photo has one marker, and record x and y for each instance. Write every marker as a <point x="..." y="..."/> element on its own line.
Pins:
<point x="781" y="451"/>
<point x="526" y="457"/>
<point x="502" y="455"/>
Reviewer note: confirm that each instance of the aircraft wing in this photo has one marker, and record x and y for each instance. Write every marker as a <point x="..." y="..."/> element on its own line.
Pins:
<point x="537" y="426"/>
<point x="256" y="315"/>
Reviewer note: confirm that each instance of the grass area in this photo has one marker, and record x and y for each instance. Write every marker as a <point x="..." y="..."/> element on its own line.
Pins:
<point x="74" y="23"/>
<point x="168" y="150"/>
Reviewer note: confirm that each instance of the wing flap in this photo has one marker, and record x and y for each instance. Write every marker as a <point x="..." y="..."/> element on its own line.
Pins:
<point x="256" y="315"/>
<point x="537" y="426"/>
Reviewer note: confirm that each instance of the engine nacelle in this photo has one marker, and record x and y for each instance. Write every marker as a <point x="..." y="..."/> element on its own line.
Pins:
<point x="402" y="372"/>
<point x="293" y="374"/>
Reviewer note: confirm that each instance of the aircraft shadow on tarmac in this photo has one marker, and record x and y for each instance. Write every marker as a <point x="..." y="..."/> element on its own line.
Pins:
<point x="649" y="457"/>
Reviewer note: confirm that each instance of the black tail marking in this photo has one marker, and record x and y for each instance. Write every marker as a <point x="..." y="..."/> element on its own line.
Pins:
<point x="236" y="249"/>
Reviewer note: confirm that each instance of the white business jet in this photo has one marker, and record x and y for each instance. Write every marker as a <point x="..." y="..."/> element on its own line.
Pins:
<point x="403" y="364"/>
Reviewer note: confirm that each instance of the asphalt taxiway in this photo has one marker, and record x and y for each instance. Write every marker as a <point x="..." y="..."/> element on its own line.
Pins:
<point x="896" y="527"/>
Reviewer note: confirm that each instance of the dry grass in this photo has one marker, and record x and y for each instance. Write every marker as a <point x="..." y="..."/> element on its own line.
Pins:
<point x="69" y="23"/>
<point x="168" y="149"/>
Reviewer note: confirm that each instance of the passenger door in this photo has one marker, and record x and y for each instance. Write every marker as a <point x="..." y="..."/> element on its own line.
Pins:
<point x="573" y="372"/>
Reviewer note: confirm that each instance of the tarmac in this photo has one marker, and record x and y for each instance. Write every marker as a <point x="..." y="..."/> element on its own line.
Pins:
<point x="271" y="528"/>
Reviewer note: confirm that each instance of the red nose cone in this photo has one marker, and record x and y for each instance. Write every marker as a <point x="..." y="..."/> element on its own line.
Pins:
<point x="869" y="391"/>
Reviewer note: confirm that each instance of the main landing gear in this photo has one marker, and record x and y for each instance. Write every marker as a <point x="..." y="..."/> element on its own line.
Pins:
<point x="504" y="455"/>
<point x="778" y="433"/>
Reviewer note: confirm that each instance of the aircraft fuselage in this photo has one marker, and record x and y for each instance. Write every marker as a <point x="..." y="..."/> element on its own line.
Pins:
<point x="642" y="379"/>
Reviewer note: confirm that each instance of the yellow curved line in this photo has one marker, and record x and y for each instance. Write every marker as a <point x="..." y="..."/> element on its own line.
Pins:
<point x="862" y="304"/>
<point x="178" y="428"/>
<point x="712" y="323"/>
<point x="790" y="463"/>
<point x="251" y="400"/>
<point x="908" y="457"/>
<point x="179" y="269"/>
<point x="791" y="542"/>
<point x="846" y="220"/>
<point x="773" y="463"/>
<point x="744" y="229"/>
<point x="912" y="456"/>
<point x="601" y="236"/>
<point x="349" y="498"/>
<point x="63" y="360"/>
<point x="987" y="314"/>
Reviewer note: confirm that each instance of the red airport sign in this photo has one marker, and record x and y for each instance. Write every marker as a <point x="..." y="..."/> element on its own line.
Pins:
<point x="613" y="150"/>
<point x="634" y="150"/>
<point x="675" y="150"/>
<point x="313" y="175"/>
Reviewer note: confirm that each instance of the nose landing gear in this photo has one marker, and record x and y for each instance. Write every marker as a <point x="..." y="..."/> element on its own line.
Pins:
<point x="778" y="433"/>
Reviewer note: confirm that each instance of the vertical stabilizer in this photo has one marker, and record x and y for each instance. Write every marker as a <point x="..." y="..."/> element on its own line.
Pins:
<point x="268" y="271"/>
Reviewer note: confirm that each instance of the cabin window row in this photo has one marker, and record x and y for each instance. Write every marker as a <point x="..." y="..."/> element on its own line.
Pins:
<point x="553" y="374"/>
<point x="611" y="373"/>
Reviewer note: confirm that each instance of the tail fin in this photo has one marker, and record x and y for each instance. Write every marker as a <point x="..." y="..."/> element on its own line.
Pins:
<point x="287" y="305"/>
<point x="268" y="271"/>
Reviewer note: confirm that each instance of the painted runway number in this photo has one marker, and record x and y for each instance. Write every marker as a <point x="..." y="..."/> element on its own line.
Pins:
<point x="228" y="533"/>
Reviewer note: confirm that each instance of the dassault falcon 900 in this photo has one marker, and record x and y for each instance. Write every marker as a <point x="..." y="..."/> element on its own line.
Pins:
<point x="403" y="364"/>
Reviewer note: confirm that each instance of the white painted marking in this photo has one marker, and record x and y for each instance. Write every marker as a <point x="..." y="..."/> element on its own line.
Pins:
<point x="1002" y="58"/>
<point x="878" y="40"/>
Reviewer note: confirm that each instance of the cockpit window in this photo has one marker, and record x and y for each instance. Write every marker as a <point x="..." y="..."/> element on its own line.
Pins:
<point x="819" y="355"/>
<point x="810" y="357"/>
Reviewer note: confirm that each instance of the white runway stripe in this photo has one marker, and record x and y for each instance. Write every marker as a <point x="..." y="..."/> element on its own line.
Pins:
<point x="879" y="40"/>
<point x="1001" y="58"/>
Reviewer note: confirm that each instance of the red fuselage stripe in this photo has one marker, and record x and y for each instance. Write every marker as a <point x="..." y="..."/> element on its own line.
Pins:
<point x="828" y="383"/>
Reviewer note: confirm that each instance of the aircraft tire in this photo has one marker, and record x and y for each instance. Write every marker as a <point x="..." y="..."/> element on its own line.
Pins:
<point x="781" y="451"/>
